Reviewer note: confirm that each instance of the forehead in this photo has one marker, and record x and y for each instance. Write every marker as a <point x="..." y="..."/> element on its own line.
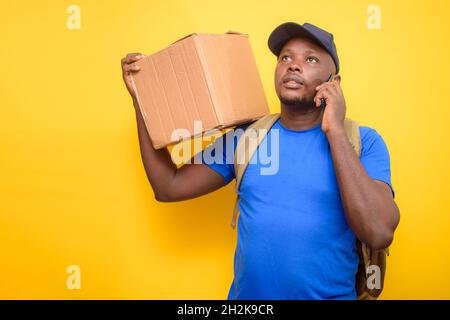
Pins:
<point x="301" y="45"/>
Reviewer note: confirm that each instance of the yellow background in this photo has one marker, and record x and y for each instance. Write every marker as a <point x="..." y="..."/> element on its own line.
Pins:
<point x="73" y="190"/>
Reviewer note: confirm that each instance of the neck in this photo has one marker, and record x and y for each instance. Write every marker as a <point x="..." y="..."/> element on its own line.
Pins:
<point x="300" y="119"/>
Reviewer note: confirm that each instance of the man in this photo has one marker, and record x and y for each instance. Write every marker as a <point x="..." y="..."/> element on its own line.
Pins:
<point x="297" y="228"/>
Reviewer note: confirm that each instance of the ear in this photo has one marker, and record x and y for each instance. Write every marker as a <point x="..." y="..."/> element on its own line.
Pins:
<point x="337" y="78"/>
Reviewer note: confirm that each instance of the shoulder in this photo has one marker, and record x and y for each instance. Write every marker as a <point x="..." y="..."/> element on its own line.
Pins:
<point x="227" y="142"/>
<point x="245" y="125"/>
<point x="232" y="135"/>
<point x="369" y="134"/>
<point x="371" y="139"/>
<point x="237" y="131"/>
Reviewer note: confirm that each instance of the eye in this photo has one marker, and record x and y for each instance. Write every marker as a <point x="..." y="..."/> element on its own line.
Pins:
<point x="312" y="59"/>
<point x="283" y="58"/>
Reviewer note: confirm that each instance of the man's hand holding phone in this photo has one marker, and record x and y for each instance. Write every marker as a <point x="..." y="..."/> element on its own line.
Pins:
<point x="330" y="94"/>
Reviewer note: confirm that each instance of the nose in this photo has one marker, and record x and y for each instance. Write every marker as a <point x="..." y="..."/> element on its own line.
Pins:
<point x="294" y="66"/>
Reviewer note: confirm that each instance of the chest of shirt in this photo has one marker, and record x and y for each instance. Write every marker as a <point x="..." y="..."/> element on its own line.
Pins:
<point x="299" y="164"/>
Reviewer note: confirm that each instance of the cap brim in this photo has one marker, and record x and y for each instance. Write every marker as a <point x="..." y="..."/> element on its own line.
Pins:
<point x="286" y="31"/>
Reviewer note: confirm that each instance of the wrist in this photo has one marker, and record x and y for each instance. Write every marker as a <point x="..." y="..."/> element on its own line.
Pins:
<point x="335" y="131"/>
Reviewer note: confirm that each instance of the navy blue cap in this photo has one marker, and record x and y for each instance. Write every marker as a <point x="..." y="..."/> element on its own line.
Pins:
<point x="286" y="31"/>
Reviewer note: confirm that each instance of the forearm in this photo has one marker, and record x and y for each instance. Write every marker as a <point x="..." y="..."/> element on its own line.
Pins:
<point x="158" y="164"/>
<point x="368" y="212"/>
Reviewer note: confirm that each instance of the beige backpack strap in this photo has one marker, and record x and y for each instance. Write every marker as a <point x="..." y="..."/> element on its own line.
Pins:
<point x="352" y="130"/>
<point x="247" y="145"/>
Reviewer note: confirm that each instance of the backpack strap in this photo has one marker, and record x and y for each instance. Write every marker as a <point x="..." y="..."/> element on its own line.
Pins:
<point x="247" y="145"/>
<point x="352" y="131"/>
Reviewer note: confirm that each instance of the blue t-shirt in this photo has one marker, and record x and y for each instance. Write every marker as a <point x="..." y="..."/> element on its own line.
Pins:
<point x="293" y="239"/>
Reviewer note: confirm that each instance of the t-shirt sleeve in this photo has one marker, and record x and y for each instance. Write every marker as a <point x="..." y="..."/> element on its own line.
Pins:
<point x="219" y="155"/>
<point x="375" y="156"/>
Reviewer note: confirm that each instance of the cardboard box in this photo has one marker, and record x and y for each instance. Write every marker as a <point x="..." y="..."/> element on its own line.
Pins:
<point x="212" y="78"/>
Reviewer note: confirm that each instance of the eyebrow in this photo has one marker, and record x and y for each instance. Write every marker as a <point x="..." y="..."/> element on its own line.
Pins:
<point x="306" y="52"/>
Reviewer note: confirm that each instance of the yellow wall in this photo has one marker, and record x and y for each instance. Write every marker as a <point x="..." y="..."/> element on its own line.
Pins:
<point x="73" y="190"/>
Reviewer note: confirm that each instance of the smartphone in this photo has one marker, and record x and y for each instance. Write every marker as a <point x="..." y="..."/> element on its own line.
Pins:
<point x="323" y="103"/>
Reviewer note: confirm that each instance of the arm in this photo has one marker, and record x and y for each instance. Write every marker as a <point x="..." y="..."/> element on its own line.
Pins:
<point x="368" y="204"/>
<point x="168" y="182"/>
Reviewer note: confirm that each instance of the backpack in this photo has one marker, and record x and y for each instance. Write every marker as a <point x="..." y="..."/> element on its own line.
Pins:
<point x="368" y="259"/>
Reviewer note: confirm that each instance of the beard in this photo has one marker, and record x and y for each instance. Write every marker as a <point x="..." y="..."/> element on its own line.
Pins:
<point x="299" y="104"/>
